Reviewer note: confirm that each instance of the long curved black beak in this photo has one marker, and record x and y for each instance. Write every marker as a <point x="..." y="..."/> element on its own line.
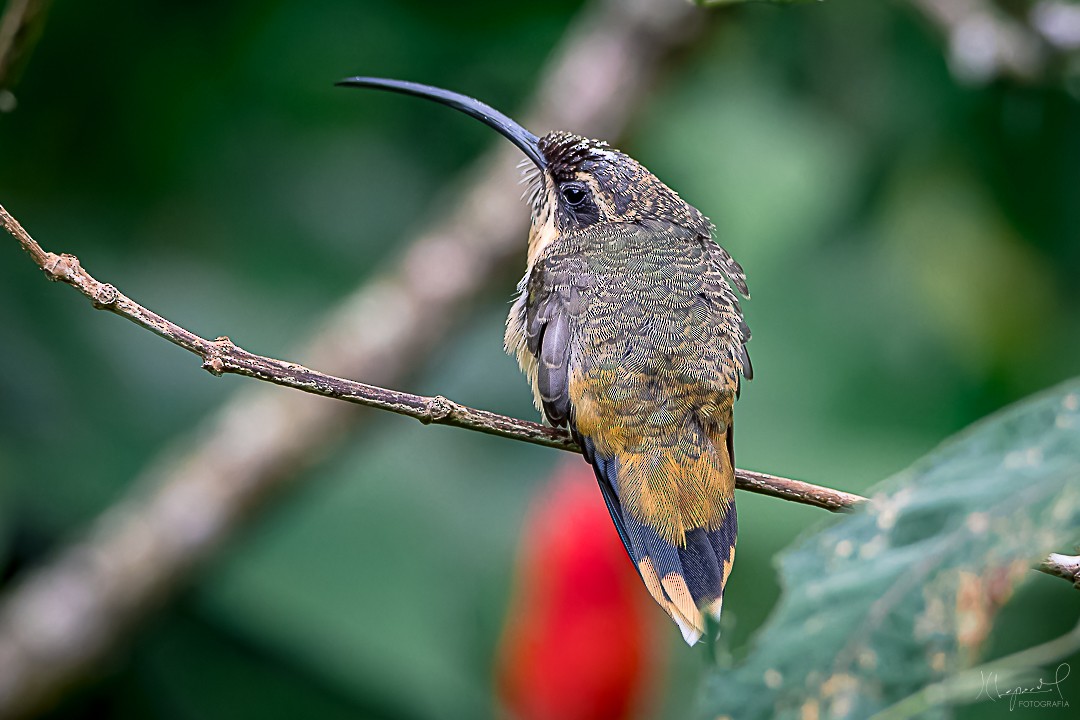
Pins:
<point x="483" y="112"/>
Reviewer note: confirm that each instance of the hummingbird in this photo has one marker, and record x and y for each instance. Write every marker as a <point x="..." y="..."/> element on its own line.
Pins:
<point x="629" y="329"/>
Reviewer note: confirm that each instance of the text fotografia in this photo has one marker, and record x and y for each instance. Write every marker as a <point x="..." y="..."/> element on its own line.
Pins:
<point x="1046" y="694"/>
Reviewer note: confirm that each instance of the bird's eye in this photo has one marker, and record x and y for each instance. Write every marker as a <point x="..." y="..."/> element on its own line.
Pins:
<point x="574" y="194"/>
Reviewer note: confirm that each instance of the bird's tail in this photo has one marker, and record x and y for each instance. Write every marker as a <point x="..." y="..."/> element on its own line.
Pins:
<point x="683" y="545"/>
<point x="688" y="581"/>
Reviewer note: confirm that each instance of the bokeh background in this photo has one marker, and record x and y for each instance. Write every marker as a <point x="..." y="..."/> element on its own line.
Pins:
<point x="910" y="230"/>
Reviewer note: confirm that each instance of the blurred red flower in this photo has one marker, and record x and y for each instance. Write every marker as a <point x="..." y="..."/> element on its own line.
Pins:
<point x="580" y="640"/>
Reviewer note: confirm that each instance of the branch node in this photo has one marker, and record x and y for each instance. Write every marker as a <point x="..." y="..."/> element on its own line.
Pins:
<point x="214" y="359"/>
<point x="439" y="409"/>
<point x="214" y="365"/>
<point x="105" y="296"/>
<point x="60" y="267"/>
<point x="223" y="346"/>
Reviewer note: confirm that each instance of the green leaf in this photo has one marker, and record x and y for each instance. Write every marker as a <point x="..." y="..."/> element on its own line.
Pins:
<point x="903" y="593"/>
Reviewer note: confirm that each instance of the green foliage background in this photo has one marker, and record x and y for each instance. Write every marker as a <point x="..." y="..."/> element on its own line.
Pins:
<point x="904" y="592"/>
<point x="912" y="246"/>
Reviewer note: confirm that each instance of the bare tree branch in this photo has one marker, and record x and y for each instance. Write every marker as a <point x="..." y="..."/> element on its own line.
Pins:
<point x="221" y="356"/>
<point x="1066" y="567"/>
